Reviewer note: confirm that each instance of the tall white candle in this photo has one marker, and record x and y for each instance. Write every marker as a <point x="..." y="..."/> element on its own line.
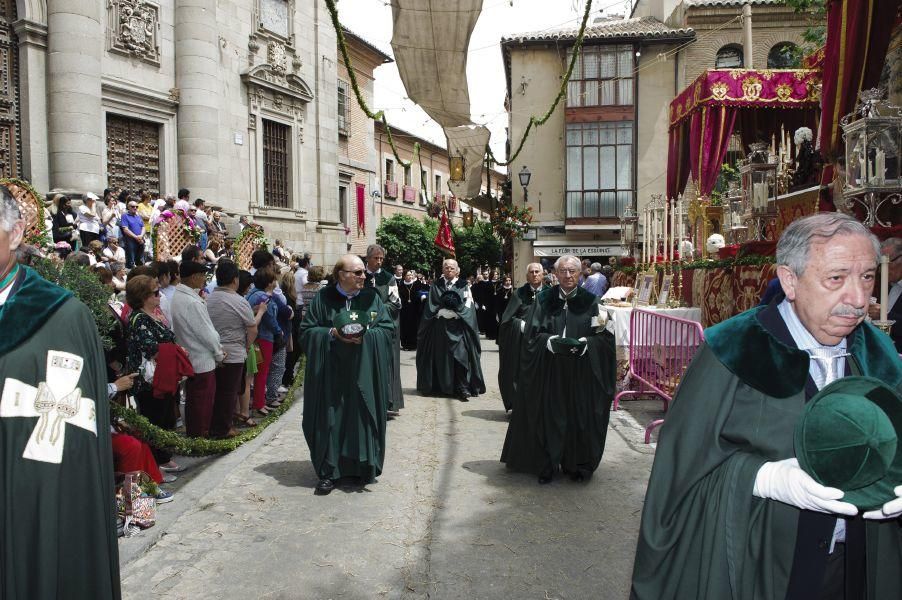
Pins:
<point x="666" y="233"/>
<point x="644" y="233"/>
<point x="654" y="234"/>
<point x="884" y="286"/>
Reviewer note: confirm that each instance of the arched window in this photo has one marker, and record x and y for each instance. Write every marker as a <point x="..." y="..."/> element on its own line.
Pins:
<point x="784" y="55"/>
<point x="729" y="57"/>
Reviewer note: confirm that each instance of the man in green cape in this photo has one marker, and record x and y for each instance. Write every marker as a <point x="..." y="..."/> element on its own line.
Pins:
<point x="510" y="334"/>
<point x="386" y="286"/>
<point x="348" y="377"/>
<point x="567" y="378"/>
<point x="448" y="349"/>
<point x="729" y="514"/>
<point x="57" y="496"/>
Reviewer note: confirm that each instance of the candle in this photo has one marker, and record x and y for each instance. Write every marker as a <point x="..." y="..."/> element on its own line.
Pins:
<point x="644" y="234"/>
<point x="884" y="286"/>
<point x="773" y="149"/>
<point x="880" y="166"/>
<point x="666" y="233"/>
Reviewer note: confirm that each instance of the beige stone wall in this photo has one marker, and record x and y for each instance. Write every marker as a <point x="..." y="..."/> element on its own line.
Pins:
<point x="656" y="90"/>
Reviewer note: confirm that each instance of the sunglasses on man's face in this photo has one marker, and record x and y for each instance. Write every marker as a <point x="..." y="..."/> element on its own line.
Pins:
<point x="357" y="273"/>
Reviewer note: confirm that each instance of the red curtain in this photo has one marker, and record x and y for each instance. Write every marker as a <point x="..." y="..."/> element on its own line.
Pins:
<point x="858" y="33"/>
<point x="677" y="163"/>
<point x="709" y="138"/>
<point x="361" y="208"/>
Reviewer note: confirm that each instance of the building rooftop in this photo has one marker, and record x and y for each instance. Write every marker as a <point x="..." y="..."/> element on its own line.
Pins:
<point x="350" y="35"/>
<point x="730" y="2"/>
<point x="635" y="28"/>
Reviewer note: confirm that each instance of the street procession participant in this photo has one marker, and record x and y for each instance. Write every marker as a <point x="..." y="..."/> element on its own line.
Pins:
<point x="387" y="287"/>
<point x="567" y="375"/>
<point x="448" y="349"/>
<point x="413" y="294"/>
<point x="510" y="333"/>
<point x="57" y="506"/>
<point x="347" y="335"/>
<point x="729" y="512"/>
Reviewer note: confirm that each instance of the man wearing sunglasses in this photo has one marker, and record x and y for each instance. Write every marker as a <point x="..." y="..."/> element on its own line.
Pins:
<point x="348" y="338"/>
<point x="448" y="349"/>
<point x="133" y="234"/>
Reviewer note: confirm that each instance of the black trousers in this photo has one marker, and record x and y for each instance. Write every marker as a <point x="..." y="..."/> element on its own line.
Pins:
<point x="160" y="412"/>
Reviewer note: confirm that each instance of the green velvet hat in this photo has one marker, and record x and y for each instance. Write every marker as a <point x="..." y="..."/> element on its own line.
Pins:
<point x="352" y="323"/>
<point x="847" y="438"/>
<point x="567" y="345"/>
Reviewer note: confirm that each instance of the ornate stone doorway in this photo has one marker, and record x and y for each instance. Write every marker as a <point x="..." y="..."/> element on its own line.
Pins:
<point x="133" y="154"/>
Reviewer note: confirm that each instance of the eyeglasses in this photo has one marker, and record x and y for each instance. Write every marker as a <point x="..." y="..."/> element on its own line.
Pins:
<point x="568" y="271"/>
<point x="357" y="273"/>
<point x="133" y="206"/>
<point x="156" y="292"/>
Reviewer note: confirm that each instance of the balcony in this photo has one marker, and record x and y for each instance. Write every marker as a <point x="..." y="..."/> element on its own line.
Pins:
<point x="409" y="194"/>
<point x="391" y="189"/>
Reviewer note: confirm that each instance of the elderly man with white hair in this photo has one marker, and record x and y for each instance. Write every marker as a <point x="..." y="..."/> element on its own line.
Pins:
<point x="448" y="348"/>
<point x="567" y="374"/>
<point x="729" y="512"/>
<point x="56" y="454"/>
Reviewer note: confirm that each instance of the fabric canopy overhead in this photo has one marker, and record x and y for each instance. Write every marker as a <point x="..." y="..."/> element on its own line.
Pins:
<point x="704" y="115"/>
<point x="430" y="40"/>
<point x="468" y="141"/>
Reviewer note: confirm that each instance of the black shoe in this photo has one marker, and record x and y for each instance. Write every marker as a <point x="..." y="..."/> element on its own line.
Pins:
<point x="393" y="413"/>
<point x="578" y="476"/>
<point x="324" y="487"/>
<point x="543" y="479"/>
<point x="463" y="396"/>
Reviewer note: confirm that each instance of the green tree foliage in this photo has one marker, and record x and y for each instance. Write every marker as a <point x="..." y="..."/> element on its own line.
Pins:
<point x="410" y="242"/>
<point x="816" y="11"/>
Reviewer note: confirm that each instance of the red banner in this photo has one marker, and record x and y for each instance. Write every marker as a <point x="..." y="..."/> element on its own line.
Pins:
<point x="443" y="238"/>
<point x="361" y="208"/>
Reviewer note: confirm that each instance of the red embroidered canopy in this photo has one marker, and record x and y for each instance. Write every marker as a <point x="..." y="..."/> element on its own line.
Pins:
<point x="705" y="114"/>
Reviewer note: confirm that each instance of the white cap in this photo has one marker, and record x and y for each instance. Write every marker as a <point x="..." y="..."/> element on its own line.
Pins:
<point x="92" y="196"/>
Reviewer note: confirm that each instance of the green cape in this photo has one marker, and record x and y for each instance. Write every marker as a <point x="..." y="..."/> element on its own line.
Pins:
<point x="509" y="339"/>
<point x="448" y="350"/>
<point x="58" y="538"/>
<point x="562" y="412"/>
<point x="346" y="387"/>
<point x="381" y="282"/>
<point x="703" y="534"/>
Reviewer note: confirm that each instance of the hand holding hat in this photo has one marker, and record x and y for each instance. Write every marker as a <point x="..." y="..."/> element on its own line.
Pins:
<point x="784" y="481"/>
<point x="890" y="510"/>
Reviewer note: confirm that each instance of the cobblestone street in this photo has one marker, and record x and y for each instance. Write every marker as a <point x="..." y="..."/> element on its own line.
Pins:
<point x="445" y="519"/>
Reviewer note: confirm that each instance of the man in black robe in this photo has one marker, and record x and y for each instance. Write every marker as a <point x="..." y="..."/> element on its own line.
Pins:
<point x="387" y="287"/>
<point x="510" y="334"/>
<point x="482" y="293"/>
<point x="448" y="349"/>
<point x="348" y="379"/>
<point x="57" y="505"/>
<point x="568" y="371"/>
<point x="413" y="296"/>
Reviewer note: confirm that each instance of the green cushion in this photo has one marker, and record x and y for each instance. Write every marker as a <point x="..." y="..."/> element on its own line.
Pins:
<point x="847" y="438"/>
<point x="352" y="323"/>
<point x="567" y="345"/>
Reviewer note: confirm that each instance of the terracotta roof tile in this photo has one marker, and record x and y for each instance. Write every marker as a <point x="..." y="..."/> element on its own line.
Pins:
<point x="639" y="27"/>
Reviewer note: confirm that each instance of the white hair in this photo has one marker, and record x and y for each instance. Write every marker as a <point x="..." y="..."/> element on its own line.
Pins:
<point x="795" y="243"/>
<point x="567" y="258"/>
<point x="9" y="210"/>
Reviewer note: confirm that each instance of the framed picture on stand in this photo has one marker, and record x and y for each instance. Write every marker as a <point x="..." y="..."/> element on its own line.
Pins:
<point x="646" y="282"/>
<point x="664" y="294"/>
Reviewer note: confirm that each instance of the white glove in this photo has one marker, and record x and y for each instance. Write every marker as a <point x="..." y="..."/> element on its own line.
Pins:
<point x="890" y="510"/>
<point x="586" y="347"/>
<point x="548" y="343"/>
<point x="447" y="313"/>
<point x="784" y="481"/>
<point x="522" y="325"/>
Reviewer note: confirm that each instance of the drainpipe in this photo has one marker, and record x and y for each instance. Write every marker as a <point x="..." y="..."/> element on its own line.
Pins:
<point x="747" y="36"/>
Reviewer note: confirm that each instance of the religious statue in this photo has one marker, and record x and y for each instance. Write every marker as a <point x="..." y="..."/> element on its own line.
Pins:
<point x="808" y="161"/>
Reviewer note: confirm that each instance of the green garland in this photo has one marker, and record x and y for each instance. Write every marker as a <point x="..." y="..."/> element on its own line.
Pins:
<point x="562" y="92"/>
<point x="41" y="238"/>
<point x="185" y="446"/>
<point x="255" y="231"/>
<point x="727" y="263"/>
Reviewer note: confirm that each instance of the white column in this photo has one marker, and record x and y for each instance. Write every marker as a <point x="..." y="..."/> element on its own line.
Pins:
<point x="75" y="115"/>
<point x="33" y="101"/>
<point x="196" y="70"/>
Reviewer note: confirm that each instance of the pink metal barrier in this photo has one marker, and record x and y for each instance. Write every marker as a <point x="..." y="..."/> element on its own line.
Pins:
<point x="660" y="348"/>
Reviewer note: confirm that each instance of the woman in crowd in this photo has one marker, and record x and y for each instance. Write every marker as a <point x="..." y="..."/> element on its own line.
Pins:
<point x="227" y="250"/>
<point x="285" y="369"/>
<point x="89" y="220"/>
<point x="242" y="414"/>
<point x="110" y="215"/>
<point x="119" y="276"/>
<point x="213" y="253"/>
<point x="145" y="334"/>
<point x="114" y="252"/>
<point x="267" y="333"/>
<point x="94" y="250"/>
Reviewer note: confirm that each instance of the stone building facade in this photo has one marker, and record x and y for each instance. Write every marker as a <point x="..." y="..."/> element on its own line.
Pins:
<point x="607" y="148"/>
<point x="235" y="100"/>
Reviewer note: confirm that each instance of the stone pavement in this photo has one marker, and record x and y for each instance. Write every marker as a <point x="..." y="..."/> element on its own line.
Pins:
<point x="444" y="521"/>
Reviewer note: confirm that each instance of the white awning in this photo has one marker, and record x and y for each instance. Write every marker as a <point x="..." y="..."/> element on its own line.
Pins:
<point x="468" y="141"/>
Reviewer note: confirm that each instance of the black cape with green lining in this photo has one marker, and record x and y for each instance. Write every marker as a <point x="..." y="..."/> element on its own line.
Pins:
<point x="386" y="286"/>
<point x="509" y="340"/>
<point x="703" y="534"/>
<point x="563" y="408"/>
<point x="346" y="387"/>
<point x="448" y="350"/>
<point x="58" y="532"/>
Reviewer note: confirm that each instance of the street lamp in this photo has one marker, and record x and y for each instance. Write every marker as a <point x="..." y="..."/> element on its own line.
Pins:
<point x="628" y="222"/>
<point x="524" y="176"/>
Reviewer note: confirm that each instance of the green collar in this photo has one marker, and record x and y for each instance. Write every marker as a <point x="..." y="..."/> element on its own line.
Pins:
<point x="13" y="273"/>
<point x="525" y="292"/>
<point x="750" y="346"/>
<point x="381" y="278"/>
<point x="32" y="302"/>
<point x="550" y="298"/>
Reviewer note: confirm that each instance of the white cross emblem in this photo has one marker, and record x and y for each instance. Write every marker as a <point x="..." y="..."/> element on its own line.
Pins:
<point x="574" y="350"/>
<point x="353" y="316"/>
<point x="56" y="402"/>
